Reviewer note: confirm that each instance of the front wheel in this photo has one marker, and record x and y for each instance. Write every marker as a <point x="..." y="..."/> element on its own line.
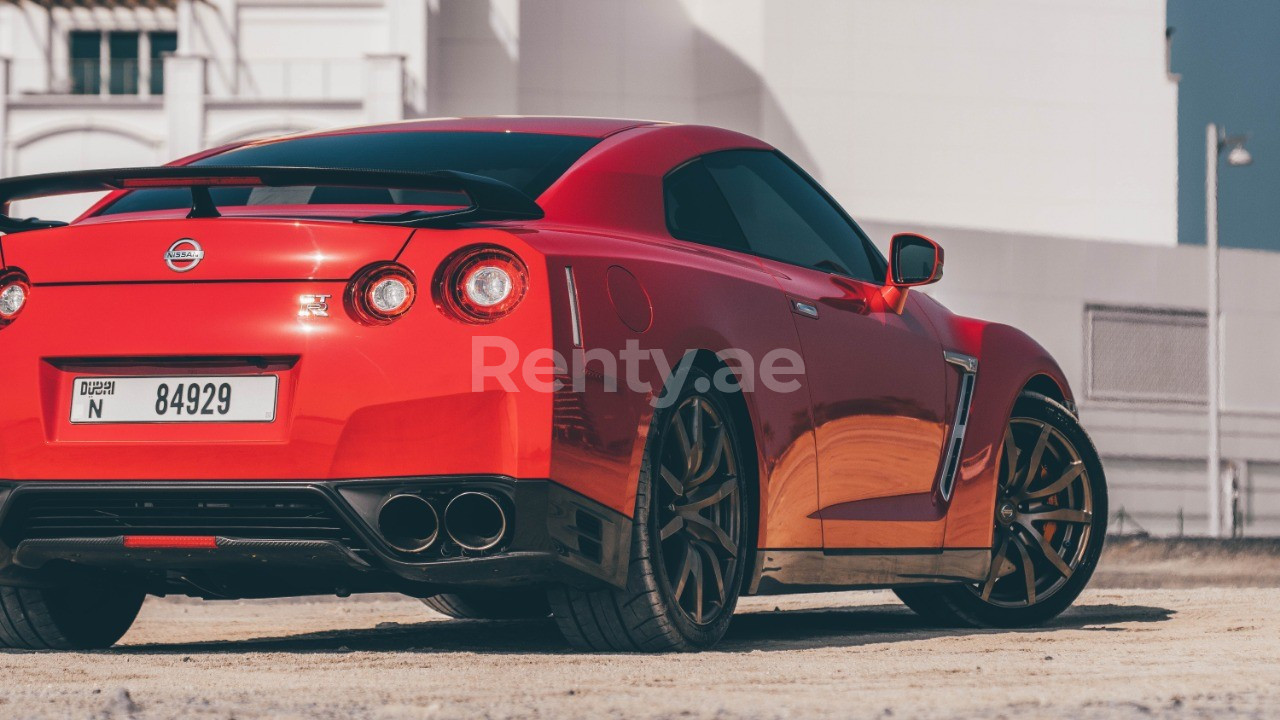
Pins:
<point x="689" y="538"/>
<point x="1050" y="523"/>
<point x="66" y="618"/>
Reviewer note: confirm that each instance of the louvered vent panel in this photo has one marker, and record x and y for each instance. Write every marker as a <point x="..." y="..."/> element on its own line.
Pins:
<point x="1146" y="355"/>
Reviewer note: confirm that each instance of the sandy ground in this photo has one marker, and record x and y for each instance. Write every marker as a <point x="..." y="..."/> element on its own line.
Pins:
<point x="1180" y="650"/>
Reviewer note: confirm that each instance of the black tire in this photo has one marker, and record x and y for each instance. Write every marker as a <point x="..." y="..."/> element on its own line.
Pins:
<point x="653" y="613"/>
<point x="71" y="618"/>
<point x="1010" y="596"/>
<point x="497" y="604"/>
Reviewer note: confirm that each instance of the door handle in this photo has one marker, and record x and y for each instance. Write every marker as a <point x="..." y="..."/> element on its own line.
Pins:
<point x="804" y="307"/>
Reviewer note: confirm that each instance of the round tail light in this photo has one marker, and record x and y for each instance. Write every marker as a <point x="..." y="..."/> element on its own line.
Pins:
<point x="481" y="285"/>
<point x="380" y="294"/>
<point x="14" y="292"/>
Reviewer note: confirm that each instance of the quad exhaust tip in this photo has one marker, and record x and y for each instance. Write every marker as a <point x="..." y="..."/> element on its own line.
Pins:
<point x="408" y="523"/>
<point x="475" y="521"/>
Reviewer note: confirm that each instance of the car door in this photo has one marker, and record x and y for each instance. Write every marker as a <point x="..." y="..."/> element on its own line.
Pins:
<point x="696" y="212"/>
<point x="877" y="379"/>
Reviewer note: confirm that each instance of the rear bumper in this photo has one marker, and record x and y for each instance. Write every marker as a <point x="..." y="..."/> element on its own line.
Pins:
<point x="297" y="537"/>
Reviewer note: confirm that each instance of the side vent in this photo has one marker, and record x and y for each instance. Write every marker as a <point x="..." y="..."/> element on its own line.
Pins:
<point x="575" y="317"/>
<point x="590" y="536"/>
<point x="587" y="537"/>
<point x="968" y="367"/>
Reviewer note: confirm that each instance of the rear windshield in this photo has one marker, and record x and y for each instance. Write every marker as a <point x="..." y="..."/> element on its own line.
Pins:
<point x="526" y="161"/>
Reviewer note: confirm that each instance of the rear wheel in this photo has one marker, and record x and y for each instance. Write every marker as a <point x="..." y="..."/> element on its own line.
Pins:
<point x="688" y="539"/>
<point x="69" y="618"/>
<point x="1050" y="523"/>
<point x="507" y="604"/>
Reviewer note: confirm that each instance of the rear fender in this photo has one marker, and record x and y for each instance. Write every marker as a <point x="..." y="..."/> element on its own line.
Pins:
<point x="673" y="299"/>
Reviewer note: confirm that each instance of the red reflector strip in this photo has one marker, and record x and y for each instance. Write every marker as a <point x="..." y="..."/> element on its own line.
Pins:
<point x="207" y="542"/>
<point x="188" y="182"/>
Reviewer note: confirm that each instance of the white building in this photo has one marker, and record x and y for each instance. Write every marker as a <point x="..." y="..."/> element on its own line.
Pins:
<point x="1021" y="132"/>
<point x="1052" y="117"/>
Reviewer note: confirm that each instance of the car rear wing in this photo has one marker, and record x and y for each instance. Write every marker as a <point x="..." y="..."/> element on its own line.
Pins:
<point x="489" y="199"/>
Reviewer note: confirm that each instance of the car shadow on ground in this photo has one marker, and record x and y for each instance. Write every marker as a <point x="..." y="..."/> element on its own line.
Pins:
<point x="751" y="631"/>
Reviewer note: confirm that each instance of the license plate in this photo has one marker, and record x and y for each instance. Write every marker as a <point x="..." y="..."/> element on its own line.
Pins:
<point x="174" y="399"/>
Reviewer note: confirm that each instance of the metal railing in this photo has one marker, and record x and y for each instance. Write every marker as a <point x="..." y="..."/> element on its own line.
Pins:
<point x="291" y="79"/>
<point x="122" y="77"/>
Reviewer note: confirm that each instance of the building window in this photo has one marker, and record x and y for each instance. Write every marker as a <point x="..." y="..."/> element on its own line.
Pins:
<point x="119" y="62"/>
<point x="1146" y="355"/>
<point x="86" y="63"/>
<point x="162" y="43"/>
<point x="123" y="76"/>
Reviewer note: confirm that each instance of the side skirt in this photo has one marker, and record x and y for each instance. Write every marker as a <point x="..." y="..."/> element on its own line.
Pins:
<point x="780" y="572"/>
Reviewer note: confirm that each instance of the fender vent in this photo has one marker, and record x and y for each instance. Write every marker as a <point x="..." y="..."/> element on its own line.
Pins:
<point x="968" y="367"/>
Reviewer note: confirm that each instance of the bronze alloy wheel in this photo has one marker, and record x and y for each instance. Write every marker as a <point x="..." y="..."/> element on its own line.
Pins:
<point x="690" y="539"/>
<point x="1044" y="514"/>
<point x="1049" y="526"/>
<point x="697" y="514"/>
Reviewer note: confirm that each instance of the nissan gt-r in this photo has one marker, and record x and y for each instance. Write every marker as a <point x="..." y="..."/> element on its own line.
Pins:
<point x="613" y="372"/>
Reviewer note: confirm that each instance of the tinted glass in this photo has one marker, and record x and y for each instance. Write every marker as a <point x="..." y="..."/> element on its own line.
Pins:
<point x="529" y="162"/>
<point x="785" y="217"/>
<point x="697" y="212"/>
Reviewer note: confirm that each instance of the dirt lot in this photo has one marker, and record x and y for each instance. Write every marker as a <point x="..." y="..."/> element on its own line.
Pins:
<point x="1170" y="631"/>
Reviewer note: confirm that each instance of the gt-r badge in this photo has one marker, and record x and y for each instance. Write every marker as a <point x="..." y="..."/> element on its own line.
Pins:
<point x="313" y="306"/>
<point x="183" y="255"/>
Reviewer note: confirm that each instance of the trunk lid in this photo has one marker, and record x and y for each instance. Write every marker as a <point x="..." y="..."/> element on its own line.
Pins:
<point x="214" y="249"/>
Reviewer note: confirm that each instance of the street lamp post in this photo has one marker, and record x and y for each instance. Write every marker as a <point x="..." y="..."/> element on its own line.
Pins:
<point x="1215" y="142"/>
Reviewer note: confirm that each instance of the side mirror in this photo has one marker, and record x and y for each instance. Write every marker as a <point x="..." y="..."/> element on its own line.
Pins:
<point x="913" y="260"/>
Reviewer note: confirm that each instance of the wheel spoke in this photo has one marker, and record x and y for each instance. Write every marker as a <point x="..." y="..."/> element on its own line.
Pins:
<point x="1073" y="471"/>
<point x="1028" y="571"/>
<point x="708" y="531"/>
<point x="686" y="447"/>
<point x="714" y="563"/>
<point x="697" y="440"/>
<point x="708" y="495"/>
<point x="709" y="468"/>
<point x="1011" y="452"/>
<point x="672" y="481"/>
<point x="1065" y="515"/>
<point x="686" y="568"/>
<point x="671" y="528"/>
<point x="997" y="561"/>
<point x="1047" y="550"/>
<point x="1033" y="463"/>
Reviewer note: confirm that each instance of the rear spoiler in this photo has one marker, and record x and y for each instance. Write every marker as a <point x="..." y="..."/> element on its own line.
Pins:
<point x="490" y="199"/>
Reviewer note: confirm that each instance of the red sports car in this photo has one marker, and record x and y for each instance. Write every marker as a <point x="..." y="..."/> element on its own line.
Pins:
<point x="616" y="372"/>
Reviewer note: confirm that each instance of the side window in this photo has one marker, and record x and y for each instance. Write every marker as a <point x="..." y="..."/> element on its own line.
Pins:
<point x="696" y="210"/>
<point x="785" y="217"/>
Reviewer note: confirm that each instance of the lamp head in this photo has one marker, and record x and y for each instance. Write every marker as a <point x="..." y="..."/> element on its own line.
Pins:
<point x="1238" y="156"/>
